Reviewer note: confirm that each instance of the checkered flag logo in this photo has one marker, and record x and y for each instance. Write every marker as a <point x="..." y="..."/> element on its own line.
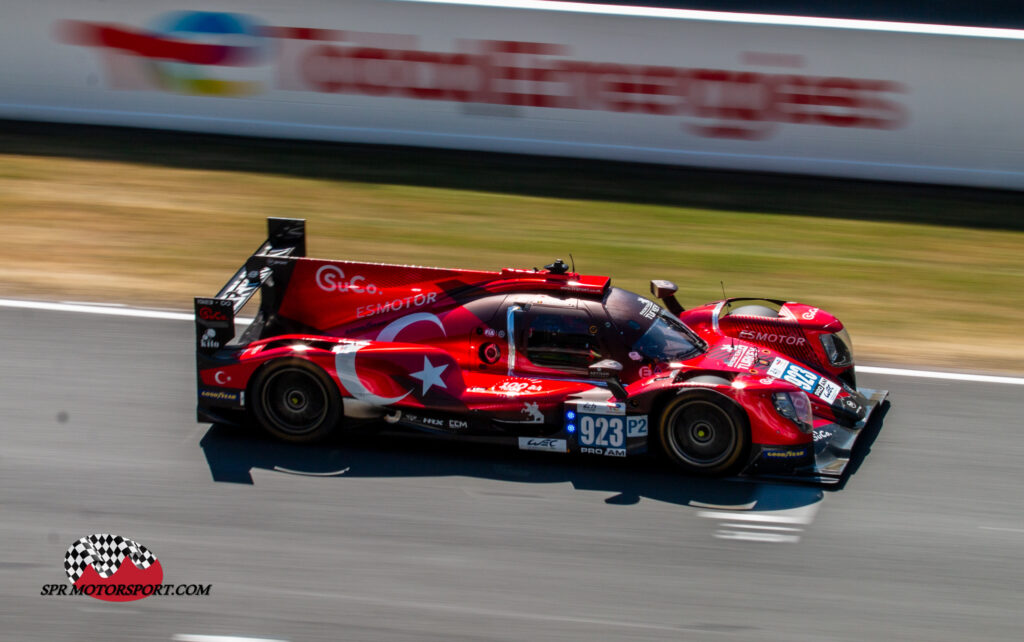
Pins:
<point x="105" y="553"/>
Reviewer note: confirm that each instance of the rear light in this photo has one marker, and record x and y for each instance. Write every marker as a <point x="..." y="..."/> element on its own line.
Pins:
<point x="796" y="407"/>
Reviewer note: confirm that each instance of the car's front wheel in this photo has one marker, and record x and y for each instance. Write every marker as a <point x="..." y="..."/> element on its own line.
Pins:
<point x="296" y="401"/>
<point x="702" y="434"/>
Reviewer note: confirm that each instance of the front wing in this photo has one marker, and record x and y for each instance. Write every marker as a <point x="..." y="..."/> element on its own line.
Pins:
<point x="833" y="446"/>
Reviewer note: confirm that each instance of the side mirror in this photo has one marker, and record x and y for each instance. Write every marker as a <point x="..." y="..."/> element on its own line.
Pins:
<point x="666" y="291"/>
<point x="609" y="370"/>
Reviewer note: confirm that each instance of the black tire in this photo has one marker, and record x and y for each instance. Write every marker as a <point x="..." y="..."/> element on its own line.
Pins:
<point x="756" y="311"/>
<point x="703" y="434"/>
<point x="294" y="400"/>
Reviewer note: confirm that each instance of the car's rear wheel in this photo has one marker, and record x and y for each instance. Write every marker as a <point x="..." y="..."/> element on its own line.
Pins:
<point x="702" y="434"/>
<point x="296" y="401"/>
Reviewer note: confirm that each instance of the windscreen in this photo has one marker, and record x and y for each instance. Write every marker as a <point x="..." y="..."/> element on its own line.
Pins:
<point x="668" y="340"/>
<point x="650" y="330"/>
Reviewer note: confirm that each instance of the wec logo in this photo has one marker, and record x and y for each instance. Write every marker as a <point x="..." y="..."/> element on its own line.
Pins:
<point x="331" y="278"/>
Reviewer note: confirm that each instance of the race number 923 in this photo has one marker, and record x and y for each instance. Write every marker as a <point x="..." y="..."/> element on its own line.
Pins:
<point x="602" y="431"/>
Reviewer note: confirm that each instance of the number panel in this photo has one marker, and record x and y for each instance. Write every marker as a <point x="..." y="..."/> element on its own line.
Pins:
<point x="602" y="431"/>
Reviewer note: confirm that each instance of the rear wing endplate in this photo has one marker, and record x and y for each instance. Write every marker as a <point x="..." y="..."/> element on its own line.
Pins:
<point x="215" y="317"/>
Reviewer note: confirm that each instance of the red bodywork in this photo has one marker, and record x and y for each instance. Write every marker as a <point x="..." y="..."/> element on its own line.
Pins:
<point x="449" y="351"/>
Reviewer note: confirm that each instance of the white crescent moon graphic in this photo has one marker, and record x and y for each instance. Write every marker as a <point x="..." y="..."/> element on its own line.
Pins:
<point x="392" y="329"/>
<point x="217" y="376"/>
<point x="345" y="364"/>
<point x="345" y="360"/>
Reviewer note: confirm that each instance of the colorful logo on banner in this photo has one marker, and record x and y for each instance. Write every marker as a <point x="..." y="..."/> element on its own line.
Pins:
<point x="196" y="53"/>
<point x="226" y="54"/>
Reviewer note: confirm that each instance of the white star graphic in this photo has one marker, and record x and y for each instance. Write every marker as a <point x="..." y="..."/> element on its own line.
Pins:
<point x="430" y="375"/>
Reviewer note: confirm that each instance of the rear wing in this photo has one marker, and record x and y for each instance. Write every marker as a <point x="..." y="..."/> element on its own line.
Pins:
<point x="215" y="316"/>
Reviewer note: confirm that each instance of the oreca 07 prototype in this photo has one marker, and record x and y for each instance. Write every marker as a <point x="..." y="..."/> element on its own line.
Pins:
<point x="545" y="360"/>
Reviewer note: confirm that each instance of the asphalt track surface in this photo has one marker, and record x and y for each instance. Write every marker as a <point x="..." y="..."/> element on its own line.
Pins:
<point x="410" y="541"/>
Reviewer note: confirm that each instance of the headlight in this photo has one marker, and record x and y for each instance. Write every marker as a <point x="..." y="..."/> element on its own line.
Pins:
<point x="838" y="348"/>
<point x="796" y="407"/>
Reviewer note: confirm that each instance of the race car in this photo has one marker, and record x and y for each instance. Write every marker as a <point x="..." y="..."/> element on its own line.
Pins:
<point x="540" y="360"/>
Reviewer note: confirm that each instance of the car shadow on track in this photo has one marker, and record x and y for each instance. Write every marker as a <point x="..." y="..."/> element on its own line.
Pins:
<point x="233" y="453"/>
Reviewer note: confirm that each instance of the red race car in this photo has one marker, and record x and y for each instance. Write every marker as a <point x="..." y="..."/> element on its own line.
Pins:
<point x="546" y="360"/>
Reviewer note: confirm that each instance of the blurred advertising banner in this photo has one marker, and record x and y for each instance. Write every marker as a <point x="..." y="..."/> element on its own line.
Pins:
<point x="818" y="96"/>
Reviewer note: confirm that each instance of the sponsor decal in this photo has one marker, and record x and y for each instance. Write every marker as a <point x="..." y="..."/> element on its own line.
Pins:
<point x="767" y="380"/>
<point x="519" y="386"/>
<point x="430" y="422"/>
<point x="784" y="454"/>
<point x="778" y="367"/>
<point x="209" y="339"/>
<point x="226" y="54"/>
<point x="544" y="444"/>
<point x="772" y="337"/>
<point x="649" y="309"/>
<point x="742" y="357"/>
<point x="601" y="408"/>
<point x="223" y="396"/>
<point x="208" y="313"/>
<point x="434" y="422"/>
<point x="635" y="356"/>
<point x="850" y="404"/>
<point x="199" y="53"/>
<point x="810" y="314"/>
<point x="331" y="278"/>
<point x="645" y="371"/>
<point x="401" y="303"/>
<point x="827" y="390"/>
<point x="112" y="568"/>
<point x="804" y="379"/>
<point x="636" y="426"/>
<point x="822" y="434"/>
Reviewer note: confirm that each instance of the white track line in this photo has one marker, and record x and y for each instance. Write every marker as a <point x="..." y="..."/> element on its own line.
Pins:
<point x="111" y="310"/>
<point x="188" y="637"/>
<point x="1000" y="528"/>
<point x="953" y="376"/>
<point x="744" y="18"/>
<point x="118" y="310"/>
